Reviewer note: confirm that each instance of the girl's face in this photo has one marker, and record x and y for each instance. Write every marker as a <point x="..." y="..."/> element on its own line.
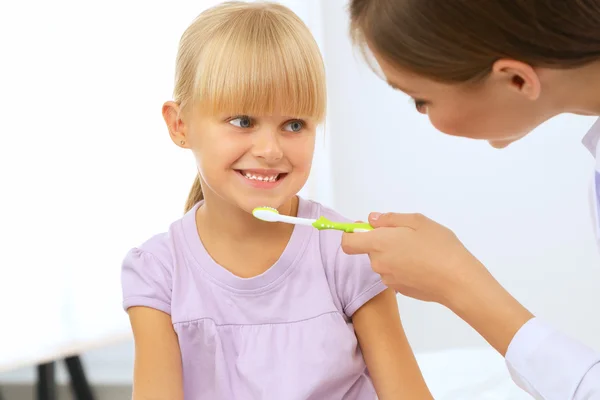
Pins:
<point x="251" y="161"/>
<point x="501" y="109"/>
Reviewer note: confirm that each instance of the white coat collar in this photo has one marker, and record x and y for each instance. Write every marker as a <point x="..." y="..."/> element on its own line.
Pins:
<point x="591" y="139"/>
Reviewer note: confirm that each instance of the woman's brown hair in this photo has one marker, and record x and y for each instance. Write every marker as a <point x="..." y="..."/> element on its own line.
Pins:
<point x="459" y="40"/>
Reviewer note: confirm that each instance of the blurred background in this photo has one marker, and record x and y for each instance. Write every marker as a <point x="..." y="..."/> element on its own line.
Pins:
<point x="87" y="171"/>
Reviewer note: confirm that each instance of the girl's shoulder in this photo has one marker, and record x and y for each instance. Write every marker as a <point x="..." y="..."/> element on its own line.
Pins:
<point x="314" y="209"/>
<point x="165" y="246"/>
<point x="351" y="278"/>
<point x="147" y="271"/>
<point x="330" y="241"/>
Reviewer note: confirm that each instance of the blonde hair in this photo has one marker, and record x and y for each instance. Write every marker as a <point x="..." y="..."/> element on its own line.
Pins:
<point x="247" y="59"/>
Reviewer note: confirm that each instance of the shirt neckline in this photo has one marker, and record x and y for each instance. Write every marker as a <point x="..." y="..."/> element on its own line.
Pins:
<point x="289" y="257"/>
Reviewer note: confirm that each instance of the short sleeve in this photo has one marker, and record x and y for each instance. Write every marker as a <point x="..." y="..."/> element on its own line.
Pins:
<point x="146" y="281"/>
<point x="355" y="282"/>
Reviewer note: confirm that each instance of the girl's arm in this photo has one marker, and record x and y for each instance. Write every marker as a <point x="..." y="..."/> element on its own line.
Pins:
<point x="387" y="353"/>
<point x="157" y="370"/>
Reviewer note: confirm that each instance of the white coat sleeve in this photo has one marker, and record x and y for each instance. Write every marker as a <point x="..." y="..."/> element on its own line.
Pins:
<point x="551" y="366"/>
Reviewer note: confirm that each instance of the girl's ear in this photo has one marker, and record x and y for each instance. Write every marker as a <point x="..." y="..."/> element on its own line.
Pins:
<point x="171" y="112"/>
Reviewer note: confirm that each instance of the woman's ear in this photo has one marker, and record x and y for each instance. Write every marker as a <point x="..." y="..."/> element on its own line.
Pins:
<point x="520" y="76"/>
<point x="172" y="115"/>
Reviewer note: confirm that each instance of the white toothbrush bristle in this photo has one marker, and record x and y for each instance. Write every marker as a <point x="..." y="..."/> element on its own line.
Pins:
<point x="268" y="214"/>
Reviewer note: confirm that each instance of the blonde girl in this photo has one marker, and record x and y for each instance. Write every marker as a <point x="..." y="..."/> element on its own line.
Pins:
<point x="222" y="305"/>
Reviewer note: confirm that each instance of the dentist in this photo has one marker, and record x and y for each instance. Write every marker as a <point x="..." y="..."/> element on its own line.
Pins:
<point x="491" y="70"/>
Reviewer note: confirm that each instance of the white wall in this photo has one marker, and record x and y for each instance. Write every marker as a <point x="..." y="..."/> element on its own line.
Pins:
<point x="523" y="210"/>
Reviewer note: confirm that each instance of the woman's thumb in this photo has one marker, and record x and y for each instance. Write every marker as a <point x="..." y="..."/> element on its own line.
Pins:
<point x="379" y="220"/>
<point x="375" y="219"/>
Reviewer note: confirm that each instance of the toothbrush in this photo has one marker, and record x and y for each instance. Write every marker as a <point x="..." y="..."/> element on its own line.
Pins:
<point x="270" y="214"/>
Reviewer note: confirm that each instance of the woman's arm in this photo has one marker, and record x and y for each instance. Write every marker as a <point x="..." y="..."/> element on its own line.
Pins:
<point x="157" y="369"/>
<point x="400" y="251"/>
<point x="387" y="353"/>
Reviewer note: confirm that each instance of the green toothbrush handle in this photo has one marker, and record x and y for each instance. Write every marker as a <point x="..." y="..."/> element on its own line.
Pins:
<point x="323" y="223"/>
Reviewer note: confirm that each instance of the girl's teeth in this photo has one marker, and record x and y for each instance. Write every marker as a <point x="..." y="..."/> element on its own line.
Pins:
<point x="262" y="178"/>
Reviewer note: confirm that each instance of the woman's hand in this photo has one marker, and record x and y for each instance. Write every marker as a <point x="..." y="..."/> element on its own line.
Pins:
<point x="415" y="256"/>
<point x="422" y="259"/>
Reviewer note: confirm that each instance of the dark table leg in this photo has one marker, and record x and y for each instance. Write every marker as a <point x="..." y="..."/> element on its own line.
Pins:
<point x="79" y="384"/>
<point x="46" y="384"/>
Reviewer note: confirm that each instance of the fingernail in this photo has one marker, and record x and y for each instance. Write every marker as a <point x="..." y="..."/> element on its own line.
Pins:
<point x="375" y="216"/>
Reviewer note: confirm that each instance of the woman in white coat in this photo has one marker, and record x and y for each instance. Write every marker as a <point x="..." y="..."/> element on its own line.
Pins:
<point x="490" y="70"/>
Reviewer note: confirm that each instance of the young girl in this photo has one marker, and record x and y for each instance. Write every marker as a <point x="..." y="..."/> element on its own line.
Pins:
<point x="224" y="306"/>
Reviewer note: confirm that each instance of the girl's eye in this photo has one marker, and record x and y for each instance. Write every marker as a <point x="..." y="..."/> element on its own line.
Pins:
<point x="241" y="122"/>
<point x="294" y="126"/>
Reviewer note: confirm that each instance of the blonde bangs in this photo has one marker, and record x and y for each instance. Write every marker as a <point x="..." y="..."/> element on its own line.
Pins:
<point x="261" y="61"/>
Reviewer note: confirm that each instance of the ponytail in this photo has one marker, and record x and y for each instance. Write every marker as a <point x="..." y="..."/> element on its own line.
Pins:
<point x="195" y="195"/>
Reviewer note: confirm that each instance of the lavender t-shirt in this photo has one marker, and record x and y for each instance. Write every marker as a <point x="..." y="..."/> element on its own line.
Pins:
<point x="285" y="334"/>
